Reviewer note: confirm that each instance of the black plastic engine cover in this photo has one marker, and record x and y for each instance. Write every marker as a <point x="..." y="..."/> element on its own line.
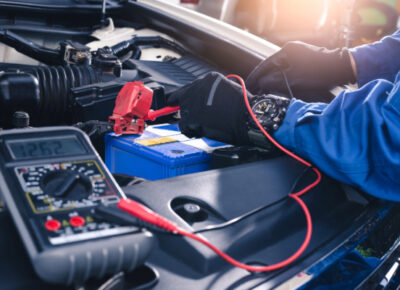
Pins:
<point x="227" y="193"/>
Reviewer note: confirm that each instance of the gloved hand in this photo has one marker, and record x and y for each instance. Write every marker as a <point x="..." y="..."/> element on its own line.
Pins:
<point x="213" y="107"/>
<point x="307" y="67"/>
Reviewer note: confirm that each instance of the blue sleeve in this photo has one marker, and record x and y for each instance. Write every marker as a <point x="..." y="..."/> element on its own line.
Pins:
<point x="354" y="139"/>
<point x="379" y="60"/>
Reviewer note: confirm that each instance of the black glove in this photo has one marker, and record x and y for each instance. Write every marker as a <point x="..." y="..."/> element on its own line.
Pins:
<point x="307" y="67"/>
<point x="213" y="107"/>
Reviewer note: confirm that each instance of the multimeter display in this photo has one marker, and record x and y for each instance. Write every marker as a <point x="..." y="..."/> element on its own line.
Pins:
<point x="44" y="147"/>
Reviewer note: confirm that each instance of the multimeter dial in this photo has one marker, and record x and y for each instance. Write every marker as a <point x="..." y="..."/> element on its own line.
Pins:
<point x="58" y="186"/>
<point x="67" y="184"/>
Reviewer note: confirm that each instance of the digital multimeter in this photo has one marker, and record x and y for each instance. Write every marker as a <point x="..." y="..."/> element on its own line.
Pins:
<point x="51" y="181"/>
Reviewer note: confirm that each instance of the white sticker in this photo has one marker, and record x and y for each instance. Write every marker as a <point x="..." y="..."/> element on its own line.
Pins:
<point x="202" y="145"/>
<point x="163" y="130"/>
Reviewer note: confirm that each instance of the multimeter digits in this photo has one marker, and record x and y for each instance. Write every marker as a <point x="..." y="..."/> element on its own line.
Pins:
<point x="52" y="180"/>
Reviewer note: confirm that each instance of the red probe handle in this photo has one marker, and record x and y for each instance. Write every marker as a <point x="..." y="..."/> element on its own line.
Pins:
<point x="152" y="115"/>
<point x="142" y="212"/>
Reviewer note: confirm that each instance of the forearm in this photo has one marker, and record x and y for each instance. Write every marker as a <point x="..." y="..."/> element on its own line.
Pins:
<point x="354" y="140"/>
<point x="379" y="60"/>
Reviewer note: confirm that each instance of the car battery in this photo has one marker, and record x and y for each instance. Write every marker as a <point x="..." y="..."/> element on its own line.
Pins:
<point x="162" y="151"/>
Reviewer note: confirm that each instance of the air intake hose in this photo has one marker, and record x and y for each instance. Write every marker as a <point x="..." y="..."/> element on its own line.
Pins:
<point x="43" y="91"/>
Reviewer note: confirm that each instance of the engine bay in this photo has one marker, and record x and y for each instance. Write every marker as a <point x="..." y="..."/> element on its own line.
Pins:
<point x="79" y="81"/>
<point x="56" y="81"/>
<point x="55" y="74"/>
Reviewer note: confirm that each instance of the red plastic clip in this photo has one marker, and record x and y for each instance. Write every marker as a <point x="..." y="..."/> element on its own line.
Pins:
<point x="132" y="108"/>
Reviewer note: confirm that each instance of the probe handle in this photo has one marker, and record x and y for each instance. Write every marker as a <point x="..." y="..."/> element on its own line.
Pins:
<point x="142" y="212"/>
<point x="152" y="115"/>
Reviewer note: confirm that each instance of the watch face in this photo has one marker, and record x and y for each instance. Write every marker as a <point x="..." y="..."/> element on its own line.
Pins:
<point x="264" y="110"/>
<point x="270" y="110"/>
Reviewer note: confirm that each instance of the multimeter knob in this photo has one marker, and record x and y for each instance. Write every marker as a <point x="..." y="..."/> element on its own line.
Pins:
<point x="66" y="184"/>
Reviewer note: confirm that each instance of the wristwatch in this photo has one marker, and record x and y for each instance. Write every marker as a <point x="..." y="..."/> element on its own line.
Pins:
<point x="270" y="110"/>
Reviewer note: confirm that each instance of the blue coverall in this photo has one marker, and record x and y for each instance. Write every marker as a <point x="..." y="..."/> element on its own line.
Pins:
<point x="355" y="138"/>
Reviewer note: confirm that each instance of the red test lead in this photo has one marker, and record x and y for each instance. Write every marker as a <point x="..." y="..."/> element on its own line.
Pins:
<point x="143" y="213"/>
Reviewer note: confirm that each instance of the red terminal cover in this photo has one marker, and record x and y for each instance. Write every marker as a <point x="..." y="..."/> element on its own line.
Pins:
<point x="133" y="101"/>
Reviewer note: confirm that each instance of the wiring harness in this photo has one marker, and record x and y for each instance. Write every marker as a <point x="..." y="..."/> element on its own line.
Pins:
<point x="147" y="215"/>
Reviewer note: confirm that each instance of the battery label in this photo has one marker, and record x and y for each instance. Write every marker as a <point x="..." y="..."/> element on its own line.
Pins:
<point x="155" y="141"/>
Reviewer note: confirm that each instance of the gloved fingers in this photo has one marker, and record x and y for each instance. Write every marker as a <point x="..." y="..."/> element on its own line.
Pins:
<point x="299" y="49"/>
<point x="190" y="129"/>
<point x="263" y="68"/>
<point x="218" y="135"/>
<point x="200" y="84"/>
<point x="270" y="83"/>
<point x="212" y="107"/>
<point x="271" y="65"/>
<point x="175" y="99"/>
<point x="196" y="131"/>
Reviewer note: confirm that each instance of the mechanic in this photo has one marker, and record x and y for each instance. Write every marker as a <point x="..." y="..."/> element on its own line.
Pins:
<point x="355" y="138"/>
